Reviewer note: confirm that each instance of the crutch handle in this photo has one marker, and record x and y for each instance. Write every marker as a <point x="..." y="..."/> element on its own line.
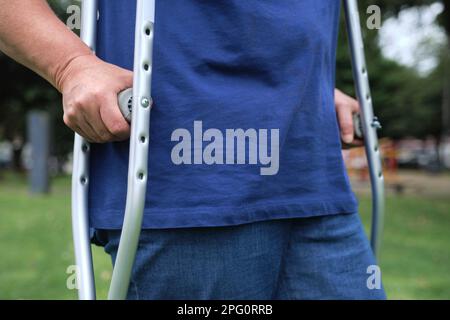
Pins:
<point x="357" y="126"/>
<point x="125" y="98"/>
<point x="126" y="103"/>
<point x="358" y="133"/>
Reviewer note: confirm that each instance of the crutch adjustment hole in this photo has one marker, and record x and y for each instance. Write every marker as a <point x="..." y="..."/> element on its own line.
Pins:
<point x="148" y="27"/>
<point x="143" y="139"/>
<point x="83" y="180"/>
<point x="141" y="175"/>
<point x="146" y="66"/>
<point x="85" y="148"/>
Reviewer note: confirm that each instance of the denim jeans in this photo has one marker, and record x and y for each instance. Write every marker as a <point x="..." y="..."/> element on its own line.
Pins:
<point x="325" y="257"/>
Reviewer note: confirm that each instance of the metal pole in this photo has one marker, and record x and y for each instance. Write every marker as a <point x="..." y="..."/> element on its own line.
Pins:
<point x="80" y="179"/>
<point x="370" y="123"/>
<point x="139" y="141"/>
<point x="38" y="127"/>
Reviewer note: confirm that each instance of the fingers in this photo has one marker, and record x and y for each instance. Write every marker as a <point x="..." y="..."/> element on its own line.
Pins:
<point x="76" y="121"/>
<point x="94" y="120"/>
<point x="355" y="143"/>
<point x="95" y="127"/>
<point x="113" y="119"/>
<point x="345" y="118"/>
<point x="346" y="106"/>
<point x="95" y="116"/>
<point x="81" y="133"/>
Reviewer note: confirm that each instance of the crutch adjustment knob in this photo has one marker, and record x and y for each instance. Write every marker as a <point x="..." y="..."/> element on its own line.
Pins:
<point x="145" y="102"/>
<point x="376" y="123"/>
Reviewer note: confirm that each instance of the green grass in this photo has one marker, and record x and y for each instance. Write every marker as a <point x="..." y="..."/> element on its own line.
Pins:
<point x="415" y="255"/>
<point x="36" y="245"/>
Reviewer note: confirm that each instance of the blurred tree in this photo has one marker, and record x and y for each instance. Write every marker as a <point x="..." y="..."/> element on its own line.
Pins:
<point x="407" y="103"/>
<point x="442" y="74"/>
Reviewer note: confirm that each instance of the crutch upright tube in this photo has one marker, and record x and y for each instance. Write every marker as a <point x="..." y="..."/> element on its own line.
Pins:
<point x="139" y="141"/>
<point x="370" y="123"/>
<point x="80" y="178"/>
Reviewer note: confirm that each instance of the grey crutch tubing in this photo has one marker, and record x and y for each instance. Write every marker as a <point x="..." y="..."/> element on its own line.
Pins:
<point x="370" y="123"/>
<point x="80" y="179"/>
<point x="137" y="170"/>
<point x="139" y="141"/>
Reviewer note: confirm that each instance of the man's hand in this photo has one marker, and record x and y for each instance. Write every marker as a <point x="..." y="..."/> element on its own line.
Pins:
<point x="346" y="106"/>
<point x="90" y="87"/>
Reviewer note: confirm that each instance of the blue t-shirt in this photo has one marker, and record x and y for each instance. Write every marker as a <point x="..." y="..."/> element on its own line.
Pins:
<point x="243" y="126"/>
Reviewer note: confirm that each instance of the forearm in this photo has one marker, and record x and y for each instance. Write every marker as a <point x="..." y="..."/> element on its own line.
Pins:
<point x="33" y="35"/>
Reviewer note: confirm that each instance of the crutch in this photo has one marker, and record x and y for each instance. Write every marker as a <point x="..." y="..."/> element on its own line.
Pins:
<point x="137" y="169"/>
<point x="80" y="179"/>
<point x="369" y="122"/>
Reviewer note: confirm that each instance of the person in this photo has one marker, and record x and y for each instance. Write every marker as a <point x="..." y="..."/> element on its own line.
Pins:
<point x="237" y="87"/>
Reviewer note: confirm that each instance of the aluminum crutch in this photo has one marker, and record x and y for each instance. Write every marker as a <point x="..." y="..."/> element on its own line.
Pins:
<point x="139" y="142"/>
<point x="137" y="170"/>
<point x="369" y="122"/>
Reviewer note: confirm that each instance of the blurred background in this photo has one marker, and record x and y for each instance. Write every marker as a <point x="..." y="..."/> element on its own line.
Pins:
<point x="409" y="67"/>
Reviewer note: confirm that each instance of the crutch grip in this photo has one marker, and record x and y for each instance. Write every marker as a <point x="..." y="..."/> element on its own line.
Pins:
<point x="357" y="126"/>
<point x="126" y="103"/>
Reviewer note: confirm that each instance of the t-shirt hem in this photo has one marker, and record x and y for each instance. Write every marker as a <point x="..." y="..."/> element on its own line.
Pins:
<point x="220" y="217"/>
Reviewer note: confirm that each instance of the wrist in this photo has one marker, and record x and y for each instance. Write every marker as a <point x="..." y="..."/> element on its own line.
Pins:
<point x="68" y="70"/>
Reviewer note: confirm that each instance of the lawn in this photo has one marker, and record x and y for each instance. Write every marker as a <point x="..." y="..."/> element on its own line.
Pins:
<point x="36" y="245"/>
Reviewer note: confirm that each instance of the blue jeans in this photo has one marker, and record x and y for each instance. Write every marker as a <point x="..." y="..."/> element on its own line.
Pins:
<point x="322" y="257"/>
